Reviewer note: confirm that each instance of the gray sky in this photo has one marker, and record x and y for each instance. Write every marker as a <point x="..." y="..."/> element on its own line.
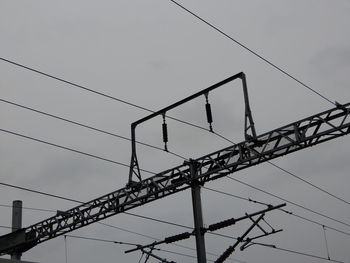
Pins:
<point x="152" y="53"/>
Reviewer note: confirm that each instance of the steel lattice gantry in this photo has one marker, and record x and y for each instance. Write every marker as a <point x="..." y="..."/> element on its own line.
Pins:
<point x="305" y="133"/>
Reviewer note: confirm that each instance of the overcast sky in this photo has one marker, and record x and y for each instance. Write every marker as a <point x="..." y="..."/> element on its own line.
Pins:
<point x="152" y="53"/>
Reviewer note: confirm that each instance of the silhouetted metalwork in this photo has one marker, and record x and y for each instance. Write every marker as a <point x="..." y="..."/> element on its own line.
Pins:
<point x="165" y="133"/>
<point x="208" y="111"/>
<point x="217" y="226"/>
<point x="166" y="240"/>
<point x="151" y="254"/>
<point x="242" y="239"/>
<point x="248" y="122"/>
<point x="197" y="211"/>
<point x="296" y="136"/>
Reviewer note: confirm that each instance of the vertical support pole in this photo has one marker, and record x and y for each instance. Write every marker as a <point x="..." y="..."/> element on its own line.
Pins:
<point x="248" y="118"/>
<point x="197" y="214"/>
<point x="16" y="223"/>
<point x="134" y="166"/>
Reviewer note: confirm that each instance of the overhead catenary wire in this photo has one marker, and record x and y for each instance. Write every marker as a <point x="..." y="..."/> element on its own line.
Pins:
<point x="284" y="170"/>
<point x="229" y="237"/>
<point x="158" y="148"/>
<point x="335" y="261"/>
<point x="293" y="175"/>
<point x="24" y="207"/>
<point x="283" y="199"/>
<point x="172" y="223"/>
<point x="281" y="209"/>
<point x="101" y="223"/>
<point x="70" y="149"/>
<point x="85" y="125"/>
<point x="265" y="245"/>
<point x="290" y="202"/>
<point x="278" y="68"/>
<point x="303" y="254"/>
<point x="217" y="234"/>
<point x="134" y="244"/>
<point x="310" y="184"/>
<point x="22" y="188"/>
<point x="143" y="108"/>
<point x="95" y="92"/>
<point x="168" y="222"/>
<point x="119" y="163"/>
<point x="125" y="165"/>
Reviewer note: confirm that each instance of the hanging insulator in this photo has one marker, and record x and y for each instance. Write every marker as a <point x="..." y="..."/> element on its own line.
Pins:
<point x="165" y="133"/>
<point x="208" y="111"/>
<point x="177" y="237"/>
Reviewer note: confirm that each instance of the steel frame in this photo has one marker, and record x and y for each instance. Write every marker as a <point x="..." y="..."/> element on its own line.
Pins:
<point x="248" y="120"/>
<point x="298" y="135"/>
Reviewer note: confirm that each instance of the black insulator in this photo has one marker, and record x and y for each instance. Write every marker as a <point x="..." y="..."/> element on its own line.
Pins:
<point x="177" y="237"/>
<point x="209" y="115"/>
<point x="165" y="132"/>
<point x="222" y="224"/>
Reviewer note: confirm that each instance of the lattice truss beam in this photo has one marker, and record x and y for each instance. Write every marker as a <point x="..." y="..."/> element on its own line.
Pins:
<point x="310" y="131"/>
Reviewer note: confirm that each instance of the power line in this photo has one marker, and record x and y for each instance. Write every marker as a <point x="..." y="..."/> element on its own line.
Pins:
<point x="301" y="253"/>
<point x="315" y="222"/>
<point x="126" y="243"/>
<point x="270" y="246"/>
<point x="101" y="158"/>
<point x="104" y="224"/>
<point x="159" y="220"/>
<point x="252" y="52"/>
<point x="171" y="223"/>
<point x="37" y="192"/>
<point x="102" y="240"/>
<point x="125" y="165"/>
<point x="180" y="254"/>
<point x="90" y="154"/>
<point x="235" y="196"/>
<point x="284" y="249"/>
<point x="311" y="184"/>
<point x="143" y="108"/>
<point x="281" y="209"/>
<point x="175" y="224"/>
<point x="85" y="126"/>
<point x="95" y="92"/>
<point x="119" y="163"/>
<point x="82" y="152"/>
<point x="28" y="208"/>
<point x="290" y="202"/>
<point x="120" y="243"/>
<point x="292" y="174"/>
<point x="73" y="84"/>
<point x="283" y="199"/>
<point x="133" y="244"/>
<point x="71" y="149"/>
<point x="68" y="199"/>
